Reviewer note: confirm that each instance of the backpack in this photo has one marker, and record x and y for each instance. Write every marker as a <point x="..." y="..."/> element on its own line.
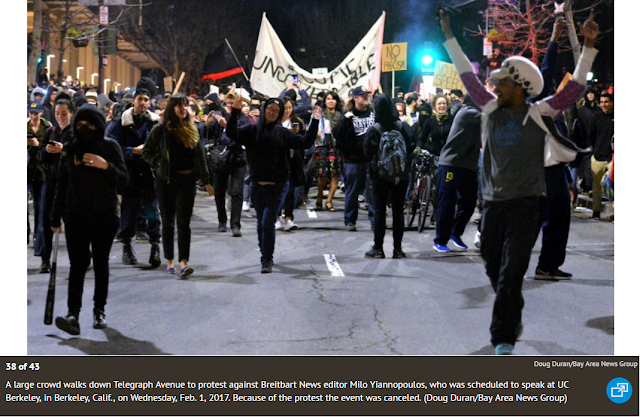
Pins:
<point x="392" y="154"/>
<point x="120" y="107"/>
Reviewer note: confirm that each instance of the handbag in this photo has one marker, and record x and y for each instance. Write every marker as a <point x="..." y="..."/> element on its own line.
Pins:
<point x="225" y="159"/>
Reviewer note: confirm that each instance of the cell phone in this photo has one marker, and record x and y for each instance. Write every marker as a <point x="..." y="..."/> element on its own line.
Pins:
<point x="295" y="124"/>
<point x="30" y="136"/>
<point x="294" y="79"/>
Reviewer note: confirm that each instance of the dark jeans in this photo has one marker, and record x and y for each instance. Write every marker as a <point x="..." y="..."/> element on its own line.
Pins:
<point x="234" y="185"/>
<point x="555" y="219"/>
<point x="44" y="236"/>
<point x="267" y="200"/>
<point x="139" y="199"/>
<point x="84" y="235"/>
<point x="35" y="188"/>
<point x="457" y="194"/>
<point x="508" y="235"/>
<point x="355" y="182"/>
<point x="176" y="199"/>
<point x="289" y="202"/>
<point x="381" y="191"/>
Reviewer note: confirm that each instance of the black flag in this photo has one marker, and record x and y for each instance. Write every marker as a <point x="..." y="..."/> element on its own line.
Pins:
<point x="220" y="64"/>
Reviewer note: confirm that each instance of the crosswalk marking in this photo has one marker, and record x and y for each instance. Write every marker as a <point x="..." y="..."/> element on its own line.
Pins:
<point x="312" y="214"/>
<point x="333" y="265"/>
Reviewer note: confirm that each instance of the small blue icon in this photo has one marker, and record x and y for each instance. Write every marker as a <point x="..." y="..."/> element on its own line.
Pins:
<point x="619" y="390"/>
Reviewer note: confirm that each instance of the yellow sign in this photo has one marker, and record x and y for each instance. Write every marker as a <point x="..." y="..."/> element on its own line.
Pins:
<point x="394" y="57"/>
<point x="446" y="77"/>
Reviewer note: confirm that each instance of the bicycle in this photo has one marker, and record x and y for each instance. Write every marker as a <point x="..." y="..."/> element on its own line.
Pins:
<point x="421" y="191"/>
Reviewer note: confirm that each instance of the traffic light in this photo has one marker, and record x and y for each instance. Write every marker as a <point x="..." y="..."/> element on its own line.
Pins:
<point x="427" y="60"/>
<point x="427" y="56"/>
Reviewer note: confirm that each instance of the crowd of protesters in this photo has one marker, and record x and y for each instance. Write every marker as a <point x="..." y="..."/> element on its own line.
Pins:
<point x="136" y="159"/>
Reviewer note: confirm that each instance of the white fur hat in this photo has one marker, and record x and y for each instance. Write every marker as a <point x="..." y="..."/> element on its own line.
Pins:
<point x="523" y="72"/>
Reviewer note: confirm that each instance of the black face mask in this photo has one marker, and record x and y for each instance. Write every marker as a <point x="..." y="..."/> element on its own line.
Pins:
<point x="84" y="133"/>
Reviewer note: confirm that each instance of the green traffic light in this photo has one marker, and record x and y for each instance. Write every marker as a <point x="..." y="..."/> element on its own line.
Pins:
<point x="427" y="60"/>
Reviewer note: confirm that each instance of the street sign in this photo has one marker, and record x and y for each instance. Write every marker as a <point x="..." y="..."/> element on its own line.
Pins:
<point x="318" y="72"/>
<point x="104" y="15"/>
<point x="487" y="46"/>
<point x="394" y="57"/>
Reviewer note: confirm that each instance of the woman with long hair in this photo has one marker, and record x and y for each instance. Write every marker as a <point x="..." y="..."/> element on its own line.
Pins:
<point x="174" y="151"/>
<point x="435" y="129"/>
<point x="327" y="157"/>
<point x="296" y="165"/>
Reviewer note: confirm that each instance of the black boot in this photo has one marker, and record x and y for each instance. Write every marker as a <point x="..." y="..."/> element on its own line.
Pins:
<point x="128" y="255"/>
<point x="69" y="324"/>
<point x="154" y="258"/>
<point x="99" y="319"/>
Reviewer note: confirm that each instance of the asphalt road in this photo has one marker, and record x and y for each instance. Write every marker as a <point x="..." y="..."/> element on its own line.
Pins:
<point x="426" y="304"/>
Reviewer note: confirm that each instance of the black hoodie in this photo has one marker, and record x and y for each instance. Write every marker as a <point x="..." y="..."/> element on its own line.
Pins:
<point x="386" y="114"/>
<point x="87" y="192"/>
<point x="268" y="144"/>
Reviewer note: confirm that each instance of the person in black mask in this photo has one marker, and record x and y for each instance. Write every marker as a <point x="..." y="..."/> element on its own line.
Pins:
<point x="268" y="144"/>
<point x="91" y="170"/>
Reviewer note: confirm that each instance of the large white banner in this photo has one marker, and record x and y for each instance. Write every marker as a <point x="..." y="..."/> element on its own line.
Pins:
<point x="273" y="66"/>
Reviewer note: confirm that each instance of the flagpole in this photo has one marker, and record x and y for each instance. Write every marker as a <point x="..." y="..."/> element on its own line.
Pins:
<point x="234" y="55"/>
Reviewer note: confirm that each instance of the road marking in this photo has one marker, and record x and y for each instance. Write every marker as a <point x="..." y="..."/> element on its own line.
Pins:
<point x="312" y="214"/>
<point x="333" y="265"/>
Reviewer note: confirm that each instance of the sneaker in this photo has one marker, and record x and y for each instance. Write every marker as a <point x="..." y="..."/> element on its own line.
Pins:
<point x="504" y="349"/>
<point x="222" y="228"/>
<point x="142" y="237"/>
<point x="290" y="225"/>
<point x="170" y="271"/>
<point x="458" y="242"/>
<point x="441" y="248"/>
<point x="154" y="256"/>
<point x="351" y="227"/>
<point x="246" y="206"/>
<point x="552" y="275"/>
<point x="45" y="267"/>
<point x="476" y="240"/>
<point x="99" y="319"/>
<point x="280" y="223"/>
<point x="186" y="271"/>
<point x="560" y="275"/>
<point x="235" y="230"/>
<point x="68" y="324"/>
<point x="129" y="255"/>
<point x="375" y="253"/>
<point x="267" y="267"/>
<point x="399" y="253"/>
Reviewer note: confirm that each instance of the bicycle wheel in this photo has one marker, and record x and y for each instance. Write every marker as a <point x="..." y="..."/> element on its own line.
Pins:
<point x="411" y="205"/>
<point x="423" y="198"/>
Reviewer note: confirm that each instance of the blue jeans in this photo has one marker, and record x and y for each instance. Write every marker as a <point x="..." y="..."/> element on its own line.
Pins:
<point x="355" y="181"/>
<point x="267" y="200"/>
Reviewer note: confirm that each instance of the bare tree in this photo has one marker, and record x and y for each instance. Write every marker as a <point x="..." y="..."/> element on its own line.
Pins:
<point x="32" y="66"/>
<point x="524" y="27"/>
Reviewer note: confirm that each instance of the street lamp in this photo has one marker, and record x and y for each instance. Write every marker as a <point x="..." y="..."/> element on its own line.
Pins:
<point x="78" y="72"/>
<point x="95" y="74"/>
<point x="106" y="80"/>
<point x="49" y="65"/>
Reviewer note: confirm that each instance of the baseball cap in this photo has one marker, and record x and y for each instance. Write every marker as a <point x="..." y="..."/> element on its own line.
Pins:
<point x="523" y="72"/>
<point x="34" y="107"/>
<point x="359" y="90"/>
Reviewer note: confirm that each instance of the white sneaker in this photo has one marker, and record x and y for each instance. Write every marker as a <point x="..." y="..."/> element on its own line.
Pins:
<point x="476" y="241"/>
<point x="280" y="223"/>
<point x="246" y="206"/>
<point x="289" y="225"/>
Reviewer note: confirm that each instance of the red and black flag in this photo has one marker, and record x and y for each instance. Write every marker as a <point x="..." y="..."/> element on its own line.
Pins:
<point x="220" y="64"/>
